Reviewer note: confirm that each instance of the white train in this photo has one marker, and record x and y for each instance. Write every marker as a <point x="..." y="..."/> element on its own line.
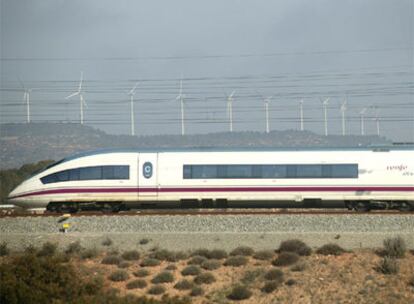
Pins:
<point x="361" y="179"/>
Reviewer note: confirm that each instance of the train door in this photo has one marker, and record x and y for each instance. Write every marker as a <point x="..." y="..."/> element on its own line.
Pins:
<point x="147" y="176"/>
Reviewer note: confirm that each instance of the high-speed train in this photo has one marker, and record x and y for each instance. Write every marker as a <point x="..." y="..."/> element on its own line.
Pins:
<point x="113" y="180"/>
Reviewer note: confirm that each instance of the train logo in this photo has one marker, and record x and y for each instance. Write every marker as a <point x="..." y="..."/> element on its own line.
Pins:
<point x="147" y="170"/>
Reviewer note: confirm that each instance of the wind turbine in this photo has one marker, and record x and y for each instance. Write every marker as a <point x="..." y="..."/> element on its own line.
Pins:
<point x="377" y="119"/>
<point x="343" y="110"/>
<point x="26" y="99"/>
<point x="230" y="109"/>
<point x="301" y="114"/>
<point x="131" y="93"/>
<point x="362" y="115"/>
<point x="266" y="106"/>
<point x="82" y="101"/>
<point x="325" y="103"/>
<point x="181" y="97"/>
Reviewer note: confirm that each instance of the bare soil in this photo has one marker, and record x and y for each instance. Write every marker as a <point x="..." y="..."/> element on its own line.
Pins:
<point x="349" y="278"/>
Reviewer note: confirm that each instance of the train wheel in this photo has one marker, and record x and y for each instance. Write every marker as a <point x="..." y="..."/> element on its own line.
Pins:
<point x="404" y="207"/>
<point x="362" y="207"/>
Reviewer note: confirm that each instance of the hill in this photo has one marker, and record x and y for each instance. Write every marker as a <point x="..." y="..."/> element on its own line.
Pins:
<point x="29" y="143"/>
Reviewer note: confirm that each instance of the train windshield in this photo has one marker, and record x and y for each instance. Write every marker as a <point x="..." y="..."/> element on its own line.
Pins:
<point x="45" y="168"/>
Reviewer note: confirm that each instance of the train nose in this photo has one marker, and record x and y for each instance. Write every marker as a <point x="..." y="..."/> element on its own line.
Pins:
<point x="15" y="196"/>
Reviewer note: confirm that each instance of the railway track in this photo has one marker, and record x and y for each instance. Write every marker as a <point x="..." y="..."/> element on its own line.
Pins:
<point x="198" y="212"/>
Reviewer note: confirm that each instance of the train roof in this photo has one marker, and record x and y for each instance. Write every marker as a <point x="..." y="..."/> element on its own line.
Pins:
<point x="236" y="149"/>
<point x="383" y="148"/>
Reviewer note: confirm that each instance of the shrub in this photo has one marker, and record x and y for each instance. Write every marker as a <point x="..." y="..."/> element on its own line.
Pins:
<point x="111" y="260"/>
<point x="204" y="278"/>
<point x="242" y="250"/>
<point x="296" y="246"/>
<point x="388" y="265"/>
<point x="131" y="255"/>
<point x="183" y="285"/>
<point x="263" y="255"/>
<point x="140" y="273"/>
<point x="165" y="255"/>
<point x="270" y="286"/>
<point x="124" y="264"/>
<point x="196" y="260"/>
<point x="27" y="278"/>
<point x="301" y="266"/>
<point x="74" y="248"/>
<point x="236" y="261"/>
<point x="274" y="275"/>
<point x="286" y="259"/>
<point x="163" y="277"/>
<point x="394" y="247"/>
<point x="196" y="291"/>
<point x="239" y="292"/>
<point x="150" y="262"/>
<point x="330" y="249"/>
<point x="251" y="275"/>
<point x="4" y="250"/>
<point x="201" y="252"/>
<point x="107" y="242"/>
<point x="191" y="270"/>
<point x="48" y="249"/>
<point x="139" y="283"/>
<point x="217" y="254"/>
<point x="30" y="249"/>
<point x="156" y="290"/>
<point x="211" y="264"/>
<point x="290" y="282"/>
<point x="171" y="267"/>
<point x="144" y="241"/>
<point x="89" y="253"/>
<point x="119" y="276"/>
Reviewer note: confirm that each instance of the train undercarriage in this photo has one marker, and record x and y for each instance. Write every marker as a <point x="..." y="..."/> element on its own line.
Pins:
<point x="114" y="207"/>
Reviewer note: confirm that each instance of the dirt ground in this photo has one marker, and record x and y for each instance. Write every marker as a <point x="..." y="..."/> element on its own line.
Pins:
<point x="348" y="278"/>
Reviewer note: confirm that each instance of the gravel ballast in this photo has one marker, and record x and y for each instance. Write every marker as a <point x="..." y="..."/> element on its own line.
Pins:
<point x="182" y="232"/>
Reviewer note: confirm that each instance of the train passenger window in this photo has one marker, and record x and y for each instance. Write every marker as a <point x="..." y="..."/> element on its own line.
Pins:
<point x="270" y="171"/>
<point x="121" y="172"/>
<point x="239" y="171"/>
<point x="90" y="173"/>
<point x="291" y="171"/>
<point x="309" y="171"/>
<point x="326" y="171"/>
<point x="345" y="171"/>
<point x="63" y="176"/>
<point x="222" y="171"/>
<point x="257" y="171"/>
<point x="74" y="174"/>
<point x="187" y="172"/>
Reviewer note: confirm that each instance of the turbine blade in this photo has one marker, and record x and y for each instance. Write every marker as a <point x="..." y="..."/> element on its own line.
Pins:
<point x="80" y="83"/>
<point x="232" y="93"/>
<point x="71" y="95"/>
<point x="132" y="92"/>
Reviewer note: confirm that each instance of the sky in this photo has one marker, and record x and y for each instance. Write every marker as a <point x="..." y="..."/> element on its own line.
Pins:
<point x="358" y="51"/>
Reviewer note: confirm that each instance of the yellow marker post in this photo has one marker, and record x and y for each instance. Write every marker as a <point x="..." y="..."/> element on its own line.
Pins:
<point x="65" y="227"/>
